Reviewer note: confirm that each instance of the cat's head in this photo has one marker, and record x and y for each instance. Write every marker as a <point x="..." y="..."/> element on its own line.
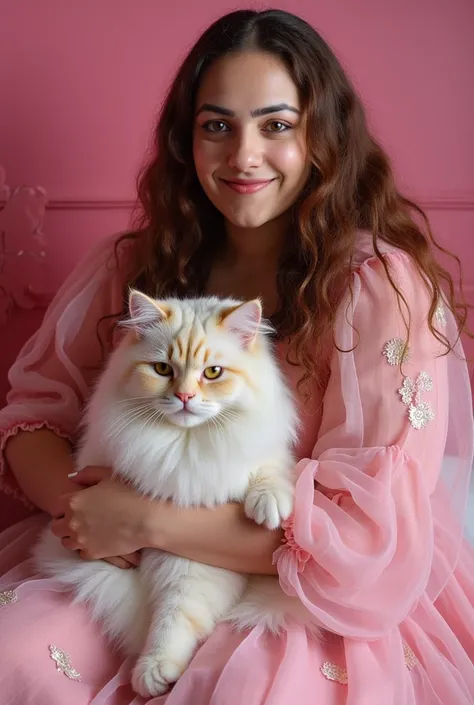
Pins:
<point x="193" y="361"/>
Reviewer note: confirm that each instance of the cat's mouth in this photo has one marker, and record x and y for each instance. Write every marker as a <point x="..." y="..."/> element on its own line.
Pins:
<point x="185" y="418"/>
<point x="189" y="414"/>
<point x="185" y="411"/>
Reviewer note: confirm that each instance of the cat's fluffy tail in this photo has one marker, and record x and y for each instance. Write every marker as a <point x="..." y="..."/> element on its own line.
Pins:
<point x="114" y="596"/>
<point x="264" y="603"/>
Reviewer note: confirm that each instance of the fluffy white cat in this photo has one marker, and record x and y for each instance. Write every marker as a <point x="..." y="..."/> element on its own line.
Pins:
<point x="192" y="408"/>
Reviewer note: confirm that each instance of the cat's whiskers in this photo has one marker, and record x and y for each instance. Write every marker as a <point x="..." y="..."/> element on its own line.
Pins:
<point x="136" y="408"/>
<point x="223" y="421"/>
<point x="130" y="400"/>
<point x="223" y="430"/>
<point x="213" y="422"/>
<point x="120" y="424"/>
<point x="154" y="416"/>
<point x="227" y="415"/>
<point x="133" y="406"/>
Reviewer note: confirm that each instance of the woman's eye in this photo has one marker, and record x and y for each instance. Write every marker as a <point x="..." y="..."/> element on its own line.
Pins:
<point x="277" y="126"/>
<point x="213" y="372"/>
<point x="215" y="126"/>
<point x="163" y="369"/>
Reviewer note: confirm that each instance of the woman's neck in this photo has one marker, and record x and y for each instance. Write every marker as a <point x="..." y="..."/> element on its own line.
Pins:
<point x="256" y="249"/>
<point x="248" y="266"/>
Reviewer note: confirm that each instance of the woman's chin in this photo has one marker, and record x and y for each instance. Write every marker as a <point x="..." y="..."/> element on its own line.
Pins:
<point x="248" y="221"/>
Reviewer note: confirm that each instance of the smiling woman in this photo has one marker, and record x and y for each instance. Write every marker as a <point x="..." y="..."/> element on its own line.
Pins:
<point x="254" y="163"/>
<point x="264" y="181"/>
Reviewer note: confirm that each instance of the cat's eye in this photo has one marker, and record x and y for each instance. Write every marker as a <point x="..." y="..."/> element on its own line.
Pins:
<point x="163" y="369"/>
<point x="213" y="372"/>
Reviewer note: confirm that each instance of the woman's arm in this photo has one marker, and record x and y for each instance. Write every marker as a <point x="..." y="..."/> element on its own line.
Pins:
<point x="52" y="377"/>
<point x="222" y="537"/>
<point x="40" y="461"/>
<point x="109" y="518"/>
<point x="383" y="528"/>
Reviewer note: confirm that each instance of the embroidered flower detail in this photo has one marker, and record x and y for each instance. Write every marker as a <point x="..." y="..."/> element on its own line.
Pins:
<point x="424" y="382"/>
<point x="333" y="672"/>
<point x="410" y="659"/>
<point x="420" y="415"/>
<point x="396" y="351"/>
<point x="407" y="390"/>
<point x="63" y="663"/>
<point x="419" y="412"/>
<point x="8" y="597"/>
<point x="440" y="316"/>
<point x="302" y="556"/>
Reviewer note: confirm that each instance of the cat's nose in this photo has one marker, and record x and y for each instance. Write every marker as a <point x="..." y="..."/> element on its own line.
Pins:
<point x="184" y="396"/>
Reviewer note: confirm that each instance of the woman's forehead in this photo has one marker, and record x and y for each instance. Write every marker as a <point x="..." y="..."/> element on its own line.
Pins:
<point x="247" y="81"/>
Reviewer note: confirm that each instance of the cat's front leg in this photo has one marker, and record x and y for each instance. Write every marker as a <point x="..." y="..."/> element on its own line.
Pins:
<point x="187" y="600"/>
<point x="269" y="498"/>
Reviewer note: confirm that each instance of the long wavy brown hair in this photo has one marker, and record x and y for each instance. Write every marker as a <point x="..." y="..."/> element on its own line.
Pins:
<point x="351" y="188"/>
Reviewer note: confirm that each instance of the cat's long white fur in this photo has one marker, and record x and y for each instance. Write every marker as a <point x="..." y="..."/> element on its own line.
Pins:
<point x="166" y="607"/>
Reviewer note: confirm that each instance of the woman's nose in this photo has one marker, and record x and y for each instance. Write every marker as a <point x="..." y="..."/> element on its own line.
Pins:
<point x="245" y="152"/>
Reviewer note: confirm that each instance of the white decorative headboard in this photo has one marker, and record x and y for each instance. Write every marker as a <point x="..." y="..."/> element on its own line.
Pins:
<point x="23" y="249"/>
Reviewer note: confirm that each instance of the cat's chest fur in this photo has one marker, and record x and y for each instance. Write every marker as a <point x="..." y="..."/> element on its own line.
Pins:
<point x="198" y="467"/>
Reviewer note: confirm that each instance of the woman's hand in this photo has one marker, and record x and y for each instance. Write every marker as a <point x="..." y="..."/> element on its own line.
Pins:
<point x="111" y="519"/>
<point x="104" y="520"/>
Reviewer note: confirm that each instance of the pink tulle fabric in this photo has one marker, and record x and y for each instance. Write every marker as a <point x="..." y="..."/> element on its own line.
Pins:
<point x="374" y="548"/>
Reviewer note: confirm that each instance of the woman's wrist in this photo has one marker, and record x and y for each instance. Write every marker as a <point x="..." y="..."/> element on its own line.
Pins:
<point x="153" y="523"/>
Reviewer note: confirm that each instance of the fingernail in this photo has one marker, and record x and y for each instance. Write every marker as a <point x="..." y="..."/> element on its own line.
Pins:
<point x="73" y="474"/>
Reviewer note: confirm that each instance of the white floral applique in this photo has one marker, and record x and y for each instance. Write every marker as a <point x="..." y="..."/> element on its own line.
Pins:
<point x="8" y="597"/>
<point x="440" y="315"/>
<point x="410" y="659"/>
<point x="333" y="672"/>
<point x="63" y="663"/>
<point x="396" y="351"/>
<point x="338" y="674"/>
<point x="419" y="411"/>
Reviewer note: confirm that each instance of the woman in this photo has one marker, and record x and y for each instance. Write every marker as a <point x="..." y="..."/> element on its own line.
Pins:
<point x="265" y="181"/>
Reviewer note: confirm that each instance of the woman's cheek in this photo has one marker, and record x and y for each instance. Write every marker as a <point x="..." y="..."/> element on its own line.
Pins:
<point x="206" y="156"/>
<point x="288" y="158"/>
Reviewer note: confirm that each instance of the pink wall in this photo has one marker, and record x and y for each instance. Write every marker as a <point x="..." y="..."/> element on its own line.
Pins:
<point x="81" y="82"/>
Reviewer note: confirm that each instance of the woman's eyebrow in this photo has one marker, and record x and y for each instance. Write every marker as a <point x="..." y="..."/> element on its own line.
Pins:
<point x="259" y="112"/>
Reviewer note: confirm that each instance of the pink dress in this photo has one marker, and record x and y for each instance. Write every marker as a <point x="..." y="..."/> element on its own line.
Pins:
<point x="374" y="548"/>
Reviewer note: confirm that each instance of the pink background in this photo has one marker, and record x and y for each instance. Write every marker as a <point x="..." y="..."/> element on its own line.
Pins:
<point x="81" y="83"/>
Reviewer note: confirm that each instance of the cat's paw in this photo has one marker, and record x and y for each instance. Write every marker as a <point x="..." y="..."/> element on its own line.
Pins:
<point x="153" y="675"/>
<point x="269" y="506"/>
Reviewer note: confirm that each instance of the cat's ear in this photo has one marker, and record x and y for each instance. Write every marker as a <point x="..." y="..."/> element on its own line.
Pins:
<point x="144" y="312"/>
<point x="244" y="321"/>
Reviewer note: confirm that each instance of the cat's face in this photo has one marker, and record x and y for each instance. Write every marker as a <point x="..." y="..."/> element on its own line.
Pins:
<point x="192" y="361"/>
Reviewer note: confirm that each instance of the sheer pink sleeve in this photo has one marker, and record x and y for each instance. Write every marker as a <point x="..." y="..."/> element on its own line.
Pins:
<point x="54" y="370"/>
<point x="379" y="506"/>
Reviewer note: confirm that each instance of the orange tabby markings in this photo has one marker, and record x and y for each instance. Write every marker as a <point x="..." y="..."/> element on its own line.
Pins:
<point x="198" y="347"/>
<point x="244" y="375"/>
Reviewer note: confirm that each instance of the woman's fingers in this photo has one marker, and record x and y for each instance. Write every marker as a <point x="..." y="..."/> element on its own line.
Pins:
<point x="133" y="558"/>
<point x="91" y="475"/>
<point x="60" y="527"/>
<point x="70" y="543"/>
<point x="119" y="562"/>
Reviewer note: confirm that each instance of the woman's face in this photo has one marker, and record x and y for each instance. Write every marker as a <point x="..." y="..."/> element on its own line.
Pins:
<point x="249" y="141"/>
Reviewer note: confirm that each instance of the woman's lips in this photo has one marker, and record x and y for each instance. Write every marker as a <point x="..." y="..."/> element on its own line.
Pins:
<point x="244" y="187"/>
